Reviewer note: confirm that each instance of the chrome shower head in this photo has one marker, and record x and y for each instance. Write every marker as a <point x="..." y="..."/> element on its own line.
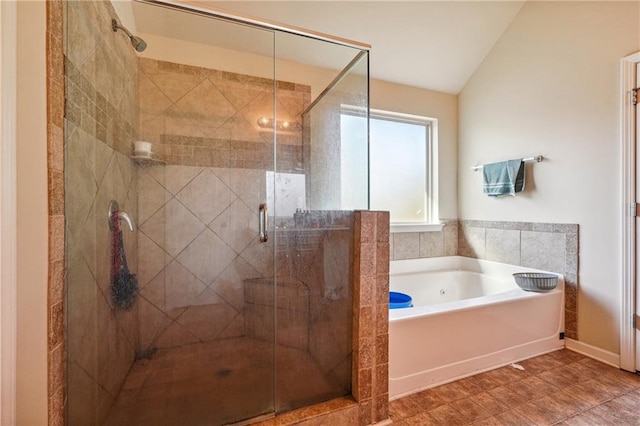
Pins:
<point x="139" y="44"/>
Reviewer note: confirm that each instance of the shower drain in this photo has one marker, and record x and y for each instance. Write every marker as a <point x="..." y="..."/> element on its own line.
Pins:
<point x="223" y="372"/>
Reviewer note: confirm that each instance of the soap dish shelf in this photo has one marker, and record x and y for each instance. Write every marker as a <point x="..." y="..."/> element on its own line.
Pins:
<point x="146" y="161"/>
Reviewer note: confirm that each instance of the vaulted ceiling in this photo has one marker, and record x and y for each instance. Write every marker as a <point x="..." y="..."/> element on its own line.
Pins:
<point x="435" y="45"/>
<point x="430" y="44"/>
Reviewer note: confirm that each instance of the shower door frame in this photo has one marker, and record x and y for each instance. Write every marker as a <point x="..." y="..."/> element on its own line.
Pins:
<point x="254" y="22"/>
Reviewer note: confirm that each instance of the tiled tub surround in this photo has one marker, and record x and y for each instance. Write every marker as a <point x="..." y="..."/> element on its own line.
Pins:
<point x="546" y="246"/>
<point x="205" y="117"/>
<point x="416" y="245"/>
<point x="101" y="86"/>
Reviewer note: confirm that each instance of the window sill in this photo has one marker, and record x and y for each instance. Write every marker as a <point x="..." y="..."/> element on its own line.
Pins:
<point x="416" y="227"/>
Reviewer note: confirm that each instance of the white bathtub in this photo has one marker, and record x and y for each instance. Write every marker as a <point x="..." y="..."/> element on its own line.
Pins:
<point x="469" y="316"/>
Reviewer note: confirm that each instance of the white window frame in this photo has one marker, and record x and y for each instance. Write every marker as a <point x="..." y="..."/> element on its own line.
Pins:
<point x="431" y="124"/>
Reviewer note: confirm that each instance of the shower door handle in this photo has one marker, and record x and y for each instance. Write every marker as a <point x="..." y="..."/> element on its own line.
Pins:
<point x="263" y="223"/>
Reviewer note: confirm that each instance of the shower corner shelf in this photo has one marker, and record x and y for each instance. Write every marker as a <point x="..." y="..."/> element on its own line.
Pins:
<point x="146" y="161"/>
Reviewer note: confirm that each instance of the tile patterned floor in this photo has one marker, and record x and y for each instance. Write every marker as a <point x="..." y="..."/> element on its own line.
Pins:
<point x="216" y="383"/>
<point x="562" y="387"/>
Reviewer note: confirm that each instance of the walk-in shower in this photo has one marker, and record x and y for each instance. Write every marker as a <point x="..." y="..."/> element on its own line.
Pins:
<point x="239" y="262"/>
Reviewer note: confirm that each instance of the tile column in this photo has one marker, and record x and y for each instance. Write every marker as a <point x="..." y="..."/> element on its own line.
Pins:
<point x="55" y="165"/>
<point x="371" y="316"/>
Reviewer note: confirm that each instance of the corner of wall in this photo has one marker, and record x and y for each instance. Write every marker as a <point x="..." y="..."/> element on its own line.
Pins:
<point x="32" y="209"/>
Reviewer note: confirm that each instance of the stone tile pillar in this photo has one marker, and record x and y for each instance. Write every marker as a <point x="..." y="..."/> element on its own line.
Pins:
<point x="371" y="316"/>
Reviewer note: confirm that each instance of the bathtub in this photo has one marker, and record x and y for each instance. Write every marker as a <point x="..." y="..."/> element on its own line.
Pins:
<point x="468" y="316"/>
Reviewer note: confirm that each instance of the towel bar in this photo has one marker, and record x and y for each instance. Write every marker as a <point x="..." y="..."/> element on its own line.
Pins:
<point x="536" y="159"/>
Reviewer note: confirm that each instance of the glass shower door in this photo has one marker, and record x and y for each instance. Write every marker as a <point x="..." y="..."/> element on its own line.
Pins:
<point x="206" y="311"/>
<point x="314" y="221"/>
<point x="241" y="216"/>
<point x="195" y="345"/>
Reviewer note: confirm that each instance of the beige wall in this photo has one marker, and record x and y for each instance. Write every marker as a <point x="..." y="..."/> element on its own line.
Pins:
<point x="444" y="107"/>
<point x="32" y="216"/>
<point x="551" y="86"/>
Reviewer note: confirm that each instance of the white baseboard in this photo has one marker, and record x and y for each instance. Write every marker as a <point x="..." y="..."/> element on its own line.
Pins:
<point x="593" y="352"/>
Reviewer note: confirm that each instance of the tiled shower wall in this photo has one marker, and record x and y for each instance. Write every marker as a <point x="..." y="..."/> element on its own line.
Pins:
<point x="205" y="117"/>
<point x="547" y="246"/>
<point x="370" y="341"/>
<point x="101" y="119"/>
<point x="197" y="244"/>
<point x="100" y="115"/>
<point x="197" y="211"/>
<point x="56" y="309"/>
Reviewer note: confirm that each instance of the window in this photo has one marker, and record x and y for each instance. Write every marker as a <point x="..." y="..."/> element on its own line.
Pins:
<point x="401" y="164"/>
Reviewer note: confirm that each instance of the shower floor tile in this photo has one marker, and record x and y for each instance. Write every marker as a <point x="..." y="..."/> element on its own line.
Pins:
<point x="216" y="383"/>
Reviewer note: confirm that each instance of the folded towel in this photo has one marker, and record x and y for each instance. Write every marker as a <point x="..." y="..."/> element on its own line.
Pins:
<point x="504" y="178"/>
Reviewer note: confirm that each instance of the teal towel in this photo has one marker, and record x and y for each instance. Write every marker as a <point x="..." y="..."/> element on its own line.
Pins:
<point x="504" y="178"/>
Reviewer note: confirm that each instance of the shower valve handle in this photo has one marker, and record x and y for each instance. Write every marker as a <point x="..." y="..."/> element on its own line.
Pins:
<point x="116" y="214"/>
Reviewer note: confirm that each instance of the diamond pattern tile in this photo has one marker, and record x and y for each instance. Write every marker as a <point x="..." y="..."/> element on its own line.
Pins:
<point x="261" y="106"/>
<point x="151" y="196"/>
<point x="256" y="194"/>
<point x="238" y="94"/>
<point x="103" y="155"/>
<point x="173" y="227"/>
<point x="151" y="259"/>
<point x="80" y="165"/>
<point x="154" y="291"/>
<point x="290" y="104"/>
<point x="208" y="297"/>
<point x="175" y="335"/>
<point x="181" y="286"/>
<point x="206" y="106"/>
<point x="206" y="196"/>
<point x="174" y="178"/>
<point x="229" y="284"/>
<point x="235" y="328"/>
<point x="155" y="322"/>
<point x="260" y="257"/>
<point x="154" y="102"/>
<point x="207" y="322"/>
<point x="207" y="256"/>
<point x="240" y="128"/>
<point x="237" y="226"/>
<point x="173" y="84"/>
<point x="239" y="180"/>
